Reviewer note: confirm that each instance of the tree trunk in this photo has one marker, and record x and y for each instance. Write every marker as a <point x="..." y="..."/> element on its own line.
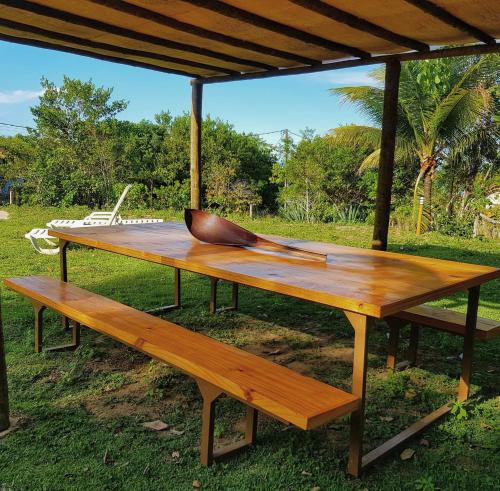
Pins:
<point x="4" y="393"/>
<point x="427" y="200"/>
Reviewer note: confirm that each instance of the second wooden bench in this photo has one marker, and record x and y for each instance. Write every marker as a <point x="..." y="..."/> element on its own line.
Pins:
<point x="436" y="318"/>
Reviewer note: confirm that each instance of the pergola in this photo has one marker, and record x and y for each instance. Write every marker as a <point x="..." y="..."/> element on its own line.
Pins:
<point x="215" y="41"/>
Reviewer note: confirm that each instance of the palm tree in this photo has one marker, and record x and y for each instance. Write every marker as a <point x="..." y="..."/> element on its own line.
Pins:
<point x="442" y="104"/>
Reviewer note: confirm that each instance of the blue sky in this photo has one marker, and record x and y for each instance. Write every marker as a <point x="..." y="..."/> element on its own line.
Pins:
<point x="257" y="106"/>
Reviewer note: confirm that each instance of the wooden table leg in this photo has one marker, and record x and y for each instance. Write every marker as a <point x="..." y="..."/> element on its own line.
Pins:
<point x="213" y="297"/>
<point x="470" y="326"/>
<point x="361" y="324"/>
<point x="38" y="308"/>
<point x="63" y="266"/>
<point x="213" y="294"/>
<point x="395" y="326"/>
<point x="177" y="296"/>
<point x="4" y="390"/>
<point x="420" y="425"/>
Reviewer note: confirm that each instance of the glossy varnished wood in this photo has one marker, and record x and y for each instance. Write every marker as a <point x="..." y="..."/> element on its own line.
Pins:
<point x="449" y="321"/>
<point x="374" y="283"/>
<point x="266" y="386"/>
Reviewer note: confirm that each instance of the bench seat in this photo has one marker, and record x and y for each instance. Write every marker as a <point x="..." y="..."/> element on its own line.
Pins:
<point x="449" y="321"/>
<point x="258" y="383"/>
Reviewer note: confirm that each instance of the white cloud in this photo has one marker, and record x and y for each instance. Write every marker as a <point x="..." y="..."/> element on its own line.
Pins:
<point x="17" y="96"/>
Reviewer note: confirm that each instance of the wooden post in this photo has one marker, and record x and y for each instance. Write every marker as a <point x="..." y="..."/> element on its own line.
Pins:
<point x="4" y="391"/>
<point x="386" y="165"/>
<point x="196" y="108"/>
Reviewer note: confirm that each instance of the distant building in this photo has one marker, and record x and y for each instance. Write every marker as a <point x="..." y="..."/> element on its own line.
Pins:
<point x="6" y="185"/>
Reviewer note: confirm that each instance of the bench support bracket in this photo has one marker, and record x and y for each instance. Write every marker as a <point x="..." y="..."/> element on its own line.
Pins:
<point x="75" y="342"/>
<point x="208" y="456"/>
<point x="177" y="296"/>
<point x="213" y="297"/>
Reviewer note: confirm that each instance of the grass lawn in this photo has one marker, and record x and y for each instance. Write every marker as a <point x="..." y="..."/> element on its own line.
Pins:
<point x="82" y="413"/>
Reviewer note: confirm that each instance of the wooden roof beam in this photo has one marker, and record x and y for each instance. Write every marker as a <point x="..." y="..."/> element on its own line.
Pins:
<point x="114" y="59"/>
<point x="119" y="50"/>
<point x="161" y="19"/>
<point x="127" y="33"/>
<point x="360" y="24"/>
<point x="476" y="49"/>
<point x="282" y="29"/>
<point x="445" y="16"/>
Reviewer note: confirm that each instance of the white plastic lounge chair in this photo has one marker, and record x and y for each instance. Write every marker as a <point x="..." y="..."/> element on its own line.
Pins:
<point x="96" y="219"/>
<point x="37" y="236"/>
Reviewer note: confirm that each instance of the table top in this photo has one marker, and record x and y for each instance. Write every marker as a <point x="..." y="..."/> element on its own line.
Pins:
<point x="368" y="282"/>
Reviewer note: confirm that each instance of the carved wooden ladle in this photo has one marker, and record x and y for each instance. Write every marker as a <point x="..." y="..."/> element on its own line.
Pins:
<point x="216" y="230"/>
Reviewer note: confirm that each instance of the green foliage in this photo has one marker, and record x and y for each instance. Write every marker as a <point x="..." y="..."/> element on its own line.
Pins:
<point x="425" y="484"/>
<point x="458" y="410"/>
<point x="454" y="226"/>
<point x="320" y="179"/>
<point x="75" y="161"/>
<point x="80" y="153"/>
<point x="446" y="116"/>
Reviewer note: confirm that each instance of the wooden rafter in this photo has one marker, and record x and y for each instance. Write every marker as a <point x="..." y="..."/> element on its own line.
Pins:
<point x="127" y="33"/>
<point x="282" y="29"/>
<point x="118" y="50"/>
<point x="164" y="20"/>
<point x="450" y="19"/>
<point x="476" y="49"/>
<point x="75" y="51"/>
<point x="360" y="24"/>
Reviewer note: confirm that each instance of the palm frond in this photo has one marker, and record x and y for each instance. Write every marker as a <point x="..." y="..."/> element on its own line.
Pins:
<point x="370" y="162"/>
<point x="368" y="100"/>
<point x="364" y="136"/>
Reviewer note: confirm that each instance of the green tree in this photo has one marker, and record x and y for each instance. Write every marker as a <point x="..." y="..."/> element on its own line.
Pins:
<point x="320" y="175"/>
<point x="75" y="161"/>
<point x="442" y="106"/>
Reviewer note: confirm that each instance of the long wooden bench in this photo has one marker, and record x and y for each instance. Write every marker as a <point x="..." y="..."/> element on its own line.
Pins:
<point x="217" y="368"/>
<point x="436" y="318"/>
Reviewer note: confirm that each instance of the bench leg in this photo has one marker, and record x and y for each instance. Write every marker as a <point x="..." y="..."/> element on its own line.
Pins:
<point x="38" y="309"/>
<point x="413" y="346"/>
<point x="470" y="327"/>
<point x="208" y="455"/>
<point x="177" y="296"/>
<point x="392" y="350"/>
<point x="213" y="297"/>
<point x="75" y="341"/>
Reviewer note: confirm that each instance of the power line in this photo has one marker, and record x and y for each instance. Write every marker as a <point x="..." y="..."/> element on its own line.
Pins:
<point x="16" y="126"/>
<point x="278" y="131"/>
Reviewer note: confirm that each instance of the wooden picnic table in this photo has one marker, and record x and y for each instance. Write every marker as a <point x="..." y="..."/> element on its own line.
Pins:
<point x="363" y="283"/>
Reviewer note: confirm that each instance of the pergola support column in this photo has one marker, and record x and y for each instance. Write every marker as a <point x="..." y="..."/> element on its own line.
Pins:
<point x="386" y="164"/>
<point x="196" y="108"/>
<point x="4" y="393"/>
